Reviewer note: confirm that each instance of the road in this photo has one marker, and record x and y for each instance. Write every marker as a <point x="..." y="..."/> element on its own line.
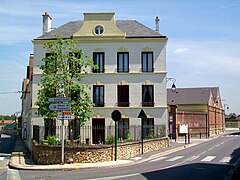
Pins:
<point x="6" y="145"/>
<point x="209" y="160"/>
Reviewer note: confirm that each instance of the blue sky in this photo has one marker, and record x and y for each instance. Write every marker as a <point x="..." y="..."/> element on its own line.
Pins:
<point x="203" y="47"/>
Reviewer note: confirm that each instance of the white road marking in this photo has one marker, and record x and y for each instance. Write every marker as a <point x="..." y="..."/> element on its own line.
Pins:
<point x="208" y="158"/>
<point x="192" y="158"/>
<point x="158" y="159"/>
<point x="226" y="159"/>
<point x="13" y="174"/>
<point x="211" y="148"/>
<point x="175" y="158"/>
<point x="202" y="153"/>
<point x="136" y="158"/>
<point x="2" y="158"/>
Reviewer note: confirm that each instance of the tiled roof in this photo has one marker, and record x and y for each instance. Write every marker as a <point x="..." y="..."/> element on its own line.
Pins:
<point x="191" y="95"/>
<point x="132" y="28"/>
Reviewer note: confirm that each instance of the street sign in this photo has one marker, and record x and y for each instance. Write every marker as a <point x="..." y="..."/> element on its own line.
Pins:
<point x="59" y="107"/>
<point x="65" y="117"/>
<point x="59" y="99"/>
<point x="116" y="115"/>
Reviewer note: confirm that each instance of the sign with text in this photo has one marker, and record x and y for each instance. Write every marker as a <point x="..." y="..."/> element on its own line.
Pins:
<point x="65" y="117"/>
<point x="59" y="99"/>
<point x="59" y="107"/>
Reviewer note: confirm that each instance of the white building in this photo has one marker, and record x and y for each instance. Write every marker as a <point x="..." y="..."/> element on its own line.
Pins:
<point x="131" y="75"/>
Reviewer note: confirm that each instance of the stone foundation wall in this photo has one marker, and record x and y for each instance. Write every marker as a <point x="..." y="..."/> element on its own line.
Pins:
<point x="44" y="154"/>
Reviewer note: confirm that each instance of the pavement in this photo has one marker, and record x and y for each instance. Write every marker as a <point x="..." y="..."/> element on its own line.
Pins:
<point x="21" y="158"/>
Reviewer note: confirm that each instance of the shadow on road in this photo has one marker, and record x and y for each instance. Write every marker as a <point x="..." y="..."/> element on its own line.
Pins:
<point x="196" y="171"/>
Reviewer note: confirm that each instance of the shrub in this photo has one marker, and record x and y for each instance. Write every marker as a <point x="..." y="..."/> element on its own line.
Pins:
<point x="52" y="140"/>
<point x="111" y="139"/>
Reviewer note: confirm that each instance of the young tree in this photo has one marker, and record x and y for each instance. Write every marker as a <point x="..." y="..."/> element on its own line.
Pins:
<point x="63" y="69"/>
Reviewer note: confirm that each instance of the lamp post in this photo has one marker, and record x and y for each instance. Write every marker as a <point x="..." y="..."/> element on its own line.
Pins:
<point x="173" y="80"/>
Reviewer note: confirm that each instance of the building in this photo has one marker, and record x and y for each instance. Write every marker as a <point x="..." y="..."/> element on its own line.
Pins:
<point x="200" y="108"/>
<point x="131" y="76"/>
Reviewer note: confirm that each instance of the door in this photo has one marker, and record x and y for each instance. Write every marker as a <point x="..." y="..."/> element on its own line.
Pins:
<point x="98" y="131"/>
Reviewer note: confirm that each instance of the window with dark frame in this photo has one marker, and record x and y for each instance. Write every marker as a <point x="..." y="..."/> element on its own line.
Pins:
<point x="98" y="95"/>
<point x="74" y="65"/>
<point x="147" y="61"/>
<point x="98" y="59"/>
<point x="123" y="128"/>
<point x="148" y="128"/>
<point x="123" y="95"/>
<point x="122" y="62"/>
<point x="148" y="95"/>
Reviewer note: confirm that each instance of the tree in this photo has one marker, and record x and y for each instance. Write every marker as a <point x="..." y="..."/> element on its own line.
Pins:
<point x="63" y="69"/>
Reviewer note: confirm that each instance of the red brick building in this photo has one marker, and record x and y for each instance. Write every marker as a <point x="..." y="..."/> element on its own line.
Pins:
<point x="200" y="108"/>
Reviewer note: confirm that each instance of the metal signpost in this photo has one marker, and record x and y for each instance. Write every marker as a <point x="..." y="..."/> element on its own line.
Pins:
<point x="116" y="116"/>
<point x="142" y="115"/>
<point x="61" y="107"/>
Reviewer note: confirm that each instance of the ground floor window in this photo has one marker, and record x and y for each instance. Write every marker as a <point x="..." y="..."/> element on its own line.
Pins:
<point x="98" y="130"/>
<point x="123" y="129"/>
<point x="148" y="128"/>
<point x="49" y="127"/>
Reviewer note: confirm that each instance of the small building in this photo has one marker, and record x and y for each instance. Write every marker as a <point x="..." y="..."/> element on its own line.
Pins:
<point x="232" y="121"/>
<point x="199" y="108"/>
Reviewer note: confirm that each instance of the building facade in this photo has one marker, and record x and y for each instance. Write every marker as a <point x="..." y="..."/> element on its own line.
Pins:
<point x="131" y="75"/>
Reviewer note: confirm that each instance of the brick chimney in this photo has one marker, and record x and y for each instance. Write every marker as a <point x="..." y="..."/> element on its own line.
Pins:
<point x="46" y="23"/>
<point x="157" y="23"/>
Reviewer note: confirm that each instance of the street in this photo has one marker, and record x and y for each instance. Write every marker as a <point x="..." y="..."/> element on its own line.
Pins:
<point x="208" y="160"/>
<point x="6" y="146"/>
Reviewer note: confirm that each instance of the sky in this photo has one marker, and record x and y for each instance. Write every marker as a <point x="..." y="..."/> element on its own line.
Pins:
<point x="202" y="50"/>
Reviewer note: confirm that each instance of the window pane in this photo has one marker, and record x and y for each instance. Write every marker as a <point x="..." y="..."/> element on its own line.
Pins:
<point x="126" y="62"/>
<point x="144" y="62"/>
<point x="150" y="62"/>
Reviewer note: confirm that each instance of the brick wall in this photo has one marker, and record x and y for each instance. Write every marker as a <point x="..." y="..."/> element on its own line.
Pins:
<point x="44" y="154"/>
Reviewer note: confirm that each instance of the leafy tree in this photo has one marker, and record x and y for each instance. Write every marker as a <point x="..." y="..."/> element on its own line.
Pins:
<point x="63" y="69"/>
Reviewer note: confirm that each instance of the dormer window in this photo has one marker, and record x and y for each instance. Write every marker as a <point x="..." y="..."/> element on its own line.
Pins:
<point x="98" y="30"/>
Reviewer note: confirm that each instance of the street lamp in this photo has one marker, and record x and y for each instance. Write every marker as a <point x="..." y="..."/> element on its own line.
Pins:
<point x="173" y="80"/>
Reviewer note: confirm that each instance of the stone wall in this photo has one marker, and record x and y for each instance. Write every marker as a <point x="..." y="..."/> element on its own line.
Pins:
<point x="44" y="154"/>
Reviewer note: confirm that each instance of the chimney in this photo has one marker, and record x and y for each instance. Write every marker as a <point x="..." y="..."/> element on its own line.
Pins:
<point x="46" y="23"/>
<point x="157" y="23"/>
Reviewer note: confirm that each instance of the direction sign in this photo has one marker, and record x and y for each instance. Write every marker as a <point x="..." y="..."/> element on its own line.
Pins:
<point x="142" y="114"/>
<point x="59" y="99"/>
<point x="65" y="117"/>
<point x="59" y="107"/>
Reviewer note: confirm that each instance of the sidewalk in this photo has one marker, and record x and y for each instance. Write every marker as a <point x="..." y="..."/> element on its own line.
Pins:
<point x="21" y="157"/>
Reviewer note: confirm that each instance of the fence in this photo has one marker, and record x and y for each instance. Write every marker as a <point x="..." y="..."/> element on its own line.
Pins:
<point x="106" y="134"/>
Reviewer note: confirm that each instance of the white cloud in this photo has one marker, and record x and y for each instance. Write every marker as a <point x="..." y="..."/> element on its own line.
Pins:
<point x="181" y="50"/>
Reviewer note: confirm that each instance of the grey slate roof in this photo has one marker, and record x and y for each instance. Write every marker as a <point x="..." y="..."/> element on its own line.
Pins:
<point x="132" y="28"/>
<point x="191" y="95"/>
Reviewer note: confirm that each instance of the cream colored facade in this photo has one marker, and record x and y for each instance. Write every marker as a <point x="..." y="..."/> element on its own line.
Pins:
<point x="112" y="41"/>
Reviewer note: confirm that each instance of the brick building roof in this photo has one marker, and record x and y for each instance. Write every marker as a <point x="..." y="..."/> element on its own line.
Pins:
<point x="191" y="95"/>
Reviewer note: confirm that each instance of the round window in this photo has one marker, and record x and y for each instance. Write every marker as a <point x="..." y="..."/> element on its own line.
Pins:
<point x="98" y="30"/>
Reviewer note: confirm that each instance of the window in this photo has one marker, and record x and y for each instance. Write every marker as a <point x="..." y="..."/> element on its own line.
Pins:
<point x="148" y="128"/>
<point x="98" y="96"/>
<point x="122" y="62"/>
<point x="51" y="64"/>
<point x="123" y="95"/>
<point x="74" y="66"/>
<point x="147" y="95"/>
<point x="98" y="59"/>
<point x="50" y="127"/>
<point x="147" y="61"/>
<point x="123" y="129"/>
<point x="99" y="30"/>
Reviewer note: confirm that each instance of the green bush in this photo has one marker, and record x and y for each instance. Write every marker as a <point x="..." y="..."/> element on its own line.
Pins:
<point x="52" y="140"/>
<point x="128" y="136"/>
<point x="111" y="139"/>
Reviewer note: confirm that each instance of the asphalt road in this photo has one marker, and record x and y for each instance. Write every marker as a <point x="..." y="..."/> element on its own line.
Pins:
<point x="6" y="147"/>
<point x="209" y="160"/>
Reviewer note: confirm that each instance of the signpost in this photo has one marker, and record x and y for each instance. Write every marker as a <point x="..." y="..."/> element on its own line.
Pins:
<point x="63" y="106"/>
<point x="116" y="116"/>
<point x="142" y="115"/>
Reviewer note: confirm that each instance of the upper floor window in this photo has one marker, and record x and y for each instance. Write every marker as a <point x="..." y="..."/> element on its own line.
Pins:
<point x="123" y="95"/>
<point x="98" y="59"/>
<point x="73" y="65"/>
<point x="98" y="95"/>
<point x="122" y="62"/>
<point x="147" y="95"/>
<point x="99" y="30"/>
<point x="147" y="61"/>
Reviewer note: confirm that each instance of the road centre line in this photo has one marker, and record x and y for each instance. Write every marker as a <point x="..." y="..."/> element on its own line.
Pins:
<point x="202" y="153"/>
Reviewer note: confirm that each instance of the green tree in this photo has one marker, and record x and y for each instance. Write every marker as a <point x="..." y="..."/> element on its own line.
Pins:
<point x="63" y="69"/>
